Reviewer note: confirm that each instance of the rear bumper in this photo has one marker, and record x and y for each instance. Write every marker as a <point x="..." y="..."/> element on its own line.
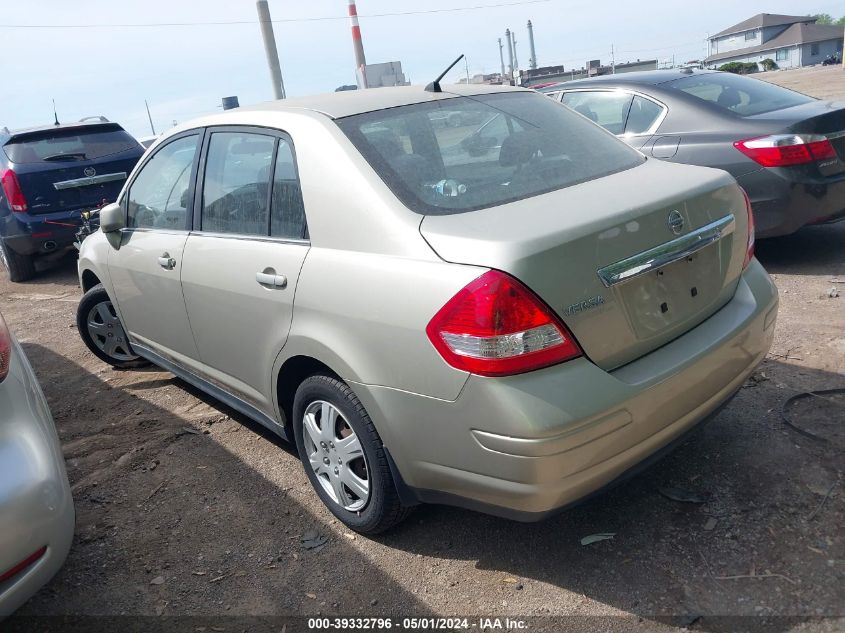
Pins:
<point x="36" y="508"/>
<point x="782" y="206"/>
<point x="27" y="234"/>
<point x="528" y="445"/>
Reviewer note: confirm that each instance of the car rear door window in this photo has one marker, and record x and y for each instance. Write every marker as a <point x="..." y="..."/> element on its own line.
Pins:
<point x="608" y="108"/>
<point x="643" y="115"/>
<point x="236" y="185"/>
<point x="160" y="195"/>
<point x="287" y="214"/>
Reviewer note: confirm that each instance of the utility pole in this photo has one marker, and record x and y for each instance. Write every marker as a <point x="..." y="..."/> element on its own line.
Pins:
<point x="515" y="60"/>
<point x="358" y="45"/>
<point x="270" y="48"/>
<point x="152" y="127"/>
<point x="466" y="67"/>
<point x="502" y="59"/>
<point x="612" y="61"/>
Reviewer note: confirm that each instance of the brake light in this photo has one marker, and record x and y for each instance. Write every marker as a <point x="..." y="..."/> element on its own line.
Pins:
<point x="29" y="560"/>
<point x="749" y="245"/>
<point x="5" y="349"/>
<point x="13" y="191"/>
<point x="783" y="150"/>
<point x="495" y="326"/>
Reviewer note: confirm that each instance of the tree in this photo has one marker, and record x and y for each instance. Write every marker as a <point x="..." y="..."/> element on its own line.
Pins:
<point x="840" y="21"/>
<point x="823" y="18"/>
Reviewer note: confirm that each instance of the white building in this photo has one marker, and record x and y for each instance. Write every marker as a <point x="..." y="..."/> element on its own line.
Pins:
<point x="790" y="40"/>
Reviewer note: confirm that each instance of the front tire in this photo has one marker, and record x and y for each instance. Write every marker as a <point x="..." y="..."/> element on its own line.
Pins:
<point x="344" y="457"/>
<point x="102" y="332"/>
<point x="20" y="267"/>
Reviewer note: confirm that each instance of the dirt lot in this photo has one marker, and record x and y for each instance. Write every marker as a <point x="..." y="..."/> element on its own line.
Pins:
<point x="186" y="508"/>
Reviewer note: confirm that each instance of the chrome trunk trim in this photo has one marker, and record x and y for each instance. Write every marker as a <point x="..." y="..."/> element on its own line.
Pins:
<point x="666" y="253"/>
<point x="88" y="180"/>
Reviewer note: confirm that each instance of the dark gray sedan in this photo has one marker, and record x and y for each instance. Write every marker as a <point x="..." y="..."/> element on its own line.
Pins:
<point x="785" y="149"/>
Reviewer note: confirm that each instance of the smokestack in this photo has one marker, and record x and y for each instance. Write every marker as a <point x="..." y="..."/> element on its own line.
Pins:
<point x="515" y="60"/>
<point x="270" y="49"/>
<point x="510" y="55"/>
<point x="532" y="62"/>
<point x="357" y="45"/>
<point x="502" y="58"/>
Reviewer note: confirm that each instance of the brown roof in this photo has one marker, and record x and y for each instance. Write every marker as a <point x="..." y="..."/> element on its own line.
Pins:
<point x="764" y="19"/>
<point x="801" y="33"/>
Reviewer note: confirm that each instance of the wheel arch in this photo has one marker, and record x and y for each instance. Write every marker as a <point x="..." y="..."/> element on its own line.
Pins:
<point x="88" y="279"/>
<point x="292" y="372"/>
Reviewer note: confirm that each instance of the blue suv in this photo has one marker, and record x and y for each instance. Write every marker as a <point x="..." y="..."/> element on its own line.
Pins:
<point x="49" y="175"/>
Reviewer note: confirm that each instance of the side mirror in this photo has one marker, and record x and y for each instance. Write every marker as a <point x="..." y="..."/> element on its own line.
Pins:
<point x="111" y="218"/>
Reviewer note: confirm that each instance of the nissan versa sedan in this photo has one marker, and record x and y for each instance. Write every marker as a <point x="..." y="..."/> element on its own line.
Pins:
<point x="507" y="330"/>
<point x="787" y="150"/>
<point x="36" y="508"/>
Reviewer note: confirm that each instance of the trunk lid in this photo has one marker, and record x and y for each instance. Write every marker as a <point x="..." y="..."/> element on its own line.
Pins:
<point x="558" y="243"/>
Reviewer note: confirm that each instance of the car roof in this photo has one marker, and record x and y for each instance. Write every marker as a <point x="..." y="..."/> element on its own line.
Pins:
<point x="643" y="78"/>
<point x="349" y="102"/>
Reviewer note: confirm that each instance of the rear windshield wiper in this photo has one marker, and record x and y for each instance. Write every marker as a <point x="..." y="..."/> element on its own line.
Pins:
<point x="66" y="156"/>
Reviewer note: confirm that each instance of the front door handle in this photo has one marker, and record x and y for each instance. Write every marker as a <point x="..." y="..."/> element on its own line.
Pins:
<point x="271" y="279"/>
<point x="166" y="261"/>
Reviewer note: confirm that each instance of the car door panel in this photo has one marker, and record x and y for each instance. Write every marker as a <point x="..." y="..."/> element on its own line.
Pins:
<point x="137" y="276"/>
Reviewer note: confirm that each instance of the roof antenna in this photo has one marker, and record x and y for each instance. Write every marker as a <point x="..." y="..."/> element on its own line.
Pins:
<point x="55" y="116"/>
<point x="434" y="86"/>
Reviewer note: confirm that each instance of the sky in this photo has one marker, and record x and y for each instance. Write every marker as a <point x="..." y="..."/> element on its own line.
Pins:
<point x="111" y="65"/>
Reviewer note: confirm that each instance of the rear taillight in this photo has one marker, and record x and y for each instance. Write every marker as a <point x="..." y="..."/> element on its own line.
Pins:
<point x="496" y="326"/>
<point x="749" y="245"/>
<point x="13" y="191"/>
<point x="783" y="150"/>
<point x="5" y="349"/>
<point x="21" y="566"/>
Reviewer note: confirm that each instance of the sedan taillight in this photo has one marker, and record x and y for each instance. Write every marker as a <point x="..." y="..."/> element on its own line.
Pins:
<point x="5" y="349"/>
<point x="495" y="326"/>
<point x="784" y="150"/>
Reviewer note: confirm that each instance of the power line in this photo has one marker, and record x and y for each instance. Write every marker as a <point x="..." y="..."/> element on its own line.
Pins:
<point x="283" y="20"/>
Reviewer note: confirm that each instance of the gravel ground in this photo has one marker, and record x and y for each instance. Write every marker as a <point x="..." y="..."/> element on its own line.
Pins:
<point x="823" y="82"/>
<point x="186" y="508"/>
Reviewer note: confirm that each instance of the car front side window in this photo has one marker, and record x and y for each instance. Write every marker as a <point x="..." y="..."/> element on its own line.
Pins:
<point x="159" y="197"/>
<point x="235" y="191"/>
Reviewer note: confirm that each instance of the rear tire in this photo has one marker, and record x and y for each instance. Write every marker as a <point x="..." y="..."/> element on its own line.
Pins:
<point x="20" y="267"/>
<point x="332" y="457"/>
<point x="102" y="332"/>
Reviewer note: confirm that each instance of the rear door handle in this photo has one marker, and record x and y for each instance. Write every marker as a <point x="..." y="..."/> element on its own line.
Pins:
<point x="271" y="280"/>
<point x="166" y="262"/>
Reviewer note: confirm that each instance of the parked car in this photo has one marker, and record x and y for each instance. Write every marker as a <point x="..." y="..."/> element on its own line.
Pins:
<point x="36" y="508"/>
<point x="784" y="148"/>
<point x="49" y="174"/>
<point x="507" y="331"/>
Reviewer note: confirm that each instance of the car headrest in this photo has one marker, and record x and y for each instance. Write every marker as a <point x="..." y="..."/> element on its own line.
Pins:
<point x="729" y="97"/>
<point x="520" y="147"/>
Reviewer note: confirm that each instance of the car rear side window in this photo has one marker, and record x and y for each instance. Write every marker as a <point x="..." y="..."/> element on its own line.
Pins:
<point x="69" y="144"/>
<point x="287" y="215"/>
<point x="742" y="95"/>
<point x="236" y="185"/>
<point x="505" y="147"/>
<point x="643" y="115"/>
<point x="160" y="196"/>
<point x="608" y="108"/>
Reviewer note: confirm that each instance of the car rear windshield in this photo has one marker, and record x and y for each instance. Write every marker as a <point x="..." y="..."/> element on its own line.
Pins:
<point x="743" y="95"/>
<point x="466" y="153"/>
<point x="69" y="144"/>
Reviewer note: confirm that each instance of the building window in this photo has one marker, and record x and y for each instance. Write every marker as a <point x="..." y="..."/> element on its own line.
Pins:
<point x="814" y="49"/>
<point x="782" y="54"/>
<point x="750" y="35"/>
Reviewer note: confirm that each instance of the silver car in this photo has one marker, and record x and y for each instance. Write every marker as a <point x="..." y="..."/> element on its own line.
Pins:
<point x="506" y="315"/>
<point x="36" y="508"/>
